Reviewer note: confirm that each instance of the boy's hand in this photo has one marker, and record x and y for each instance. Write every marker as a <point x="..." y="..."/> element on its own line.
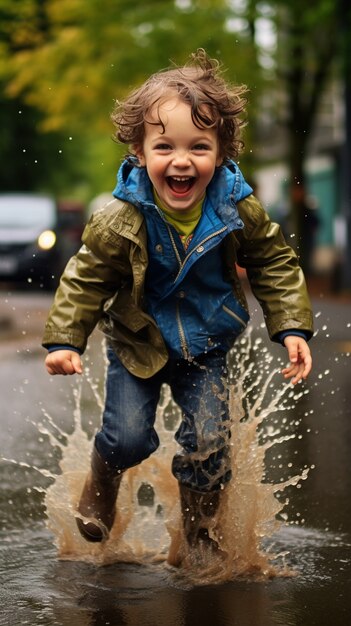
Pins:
<point x="299" y="357"/>
<point x="63" y="362"/>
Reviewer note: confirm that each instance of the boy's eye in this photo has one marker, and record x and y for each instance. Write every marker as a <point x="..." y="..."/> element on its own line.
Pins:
<point x="201" y="146"/>
<point x="163" y="146"/>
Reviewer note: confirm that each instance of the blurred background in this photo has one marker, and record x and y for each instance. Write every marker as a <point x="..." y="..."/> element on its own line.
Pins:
<point x="63" y="63"/>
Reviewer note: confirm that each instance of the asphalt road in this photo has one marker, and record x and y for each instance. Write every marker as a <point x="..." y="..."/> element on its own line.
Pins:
<point x="39" y="589"/>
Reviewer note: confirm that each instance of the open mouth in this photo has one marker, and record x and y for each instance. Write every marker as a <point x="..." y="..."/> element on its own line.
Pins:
<point x="180" y="184"/>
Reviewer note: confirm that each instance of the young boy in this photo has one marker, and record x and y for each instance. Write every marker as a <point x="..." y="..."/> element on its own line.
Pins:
<point x="157" y="270"/>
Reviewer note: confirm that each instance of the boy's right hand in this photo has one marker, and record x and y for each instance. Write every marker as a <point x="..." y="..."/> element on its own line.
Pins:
<point x="63" y="362"/>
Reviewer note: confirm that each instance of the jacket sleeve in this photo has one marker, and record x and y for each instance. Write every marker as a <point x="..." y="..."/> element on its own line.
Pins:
<point x="90" y="279"/>
<point x="273" y="270"/>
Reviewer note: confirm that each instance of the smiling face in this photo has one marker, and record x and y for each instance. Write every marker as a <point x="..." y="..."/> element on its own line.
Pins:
<point x="181" y="158"/>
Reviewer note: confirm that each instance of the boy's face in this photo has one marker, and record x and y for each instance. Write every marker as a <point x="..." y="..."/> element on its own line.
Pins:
<point x="181" y="161"/>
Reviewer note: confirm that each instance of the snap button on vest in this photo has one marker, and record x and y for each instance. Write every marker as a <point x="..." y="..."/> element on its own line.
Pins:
<point x="200" y="249"/>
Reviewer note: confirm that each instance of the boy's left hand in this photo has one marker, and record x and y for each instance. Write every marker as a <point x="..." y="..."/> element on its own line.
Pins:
<point x="300" y="359"/>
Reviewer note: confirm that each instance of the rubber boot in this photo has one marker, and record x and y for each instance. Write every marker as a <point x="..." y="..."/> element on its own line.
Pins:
<point x="98" y="500"/>
<point x="198" y="509"/>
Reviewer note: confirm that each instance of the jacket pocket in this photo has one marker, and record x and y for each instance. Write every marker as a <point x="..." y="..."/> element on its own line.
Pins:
<point x="131" y="317"/>
<point x="236" y="317"/>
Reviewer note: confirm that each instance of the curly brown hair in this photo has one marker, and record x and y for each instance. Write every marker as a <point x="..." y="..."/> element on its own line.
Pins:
<point x="214" y="103"/>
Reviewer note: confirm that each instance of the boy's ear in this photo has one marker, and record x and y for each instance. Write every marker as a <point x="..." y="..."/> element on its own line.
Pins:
<point x="138" y="150"/>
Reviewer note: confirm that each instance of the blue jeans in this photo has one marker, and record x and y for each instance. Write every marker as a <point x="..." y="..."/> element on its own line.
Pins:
<point x="128" y="436"/>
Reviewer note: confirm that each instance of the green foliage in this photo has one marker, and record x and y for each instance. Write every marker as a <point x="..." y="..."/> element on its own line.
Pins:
<point x="32" y="160"/>
<point x="92" y="53"/>
<point x="65" y="62"/>
<point x="69" y="60"/>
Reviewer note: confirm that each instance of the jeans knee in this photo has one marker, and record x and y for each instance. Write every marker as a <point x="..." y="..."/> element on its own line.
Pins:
<point x="123" y="454"/>
<point x="203" y="473"/>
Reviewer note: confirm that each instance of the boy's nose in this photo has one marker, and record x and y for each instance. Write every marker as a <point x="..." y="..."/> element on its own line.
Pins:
<point x="181" y="159"/>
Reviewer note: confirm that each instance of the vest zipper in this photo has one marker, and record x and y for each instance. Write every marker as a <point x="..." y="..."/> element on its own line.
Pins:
<point x="183" y="342"/>
<point x="174" y="246"/>
<point x="201" y="243"/>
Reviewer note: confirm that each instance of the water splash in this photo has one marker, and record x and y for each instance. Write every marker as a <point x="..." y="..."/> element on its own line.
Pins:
<point x="148" y="527"/>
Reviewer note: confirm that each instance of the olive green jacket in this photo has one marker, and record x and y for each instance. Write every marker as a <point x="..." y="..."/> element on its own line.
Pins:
<point x="104" y="284"/>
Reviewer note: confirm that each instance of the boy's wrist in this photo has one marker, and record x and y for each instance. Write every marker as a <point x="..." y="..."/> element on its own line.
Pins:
<point x="280" y="337"/>
<point x="55" y="347"/>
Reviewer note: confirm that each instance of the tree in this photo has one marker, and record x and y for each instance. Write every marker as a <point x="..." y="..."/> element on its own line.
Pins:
<point x="70" y="60"/>
<point x="345" y="45"/>
<point x="301" y="61"/>
<point x="307" y="48"/>
<point x="29" y="160"/>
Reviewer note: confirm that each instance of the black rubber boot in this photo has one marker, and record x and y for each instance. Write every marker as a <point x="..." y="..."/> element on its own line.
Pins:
<point x="198" y="509"/>
<point x="98" y="500"/>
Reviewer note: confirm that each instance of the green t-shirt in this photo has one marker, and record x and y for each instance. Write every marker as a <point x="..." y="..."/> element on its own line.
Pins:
<point x="184" y="222"/>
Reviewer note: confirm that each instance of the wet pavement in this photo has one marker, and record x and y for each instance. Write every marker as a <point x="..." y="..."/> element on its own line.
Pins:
<point x="38" y="588"/>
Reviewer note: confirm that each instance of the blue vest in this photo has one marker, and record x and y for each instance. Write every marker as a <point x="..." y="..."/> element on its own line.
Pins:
<point x="186" y="292"/>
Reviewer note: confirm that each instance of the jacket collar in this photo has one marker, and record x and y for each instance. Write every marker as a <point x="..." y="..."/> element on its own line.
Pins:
<point x="226" y="188"/>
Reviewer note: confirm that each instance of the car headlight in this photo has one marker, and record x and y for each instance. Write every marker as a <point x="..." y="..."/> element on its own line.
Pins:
<point x="47" y="240"/>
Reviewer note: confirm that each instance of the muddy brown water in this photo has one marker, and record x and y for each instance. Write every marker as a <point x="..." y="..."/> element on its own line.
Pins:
<point x="290" y="545"/>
